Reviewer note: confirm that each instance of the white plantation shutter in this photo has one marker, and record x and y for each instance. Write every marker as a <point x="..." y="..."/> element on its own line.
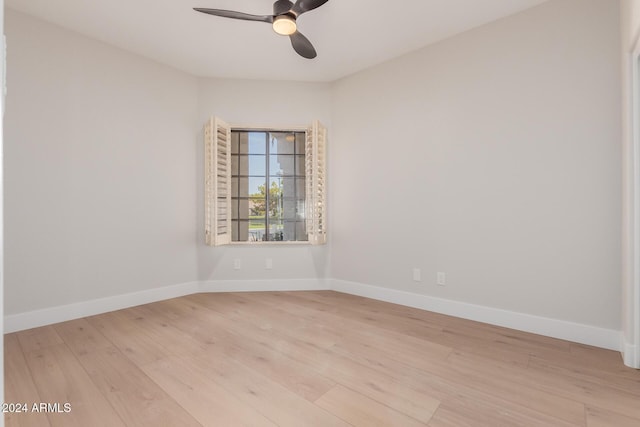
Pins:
<point x="315" y="165"/>
<point x="217" y="182"/>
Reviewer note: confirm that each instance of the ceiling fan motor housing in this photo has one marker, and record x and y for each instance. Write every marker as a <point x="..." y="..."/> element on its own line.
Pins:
<point x="281" y="7"/>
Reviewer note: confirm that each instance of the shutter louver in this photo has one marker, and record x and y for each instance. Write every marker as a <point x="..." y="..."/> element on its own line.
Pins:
<point x="315" y="165"/>
<point x="217" y="185"/>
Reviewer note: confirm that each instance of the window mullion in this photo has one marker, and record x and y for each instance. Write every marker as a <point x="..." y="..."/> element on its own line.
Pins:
<point x="267" y="188"/>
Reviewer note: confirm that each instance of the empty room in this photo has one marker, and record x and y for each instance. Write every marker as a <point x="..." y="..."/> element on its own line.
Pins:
<point x="320" y="213"/>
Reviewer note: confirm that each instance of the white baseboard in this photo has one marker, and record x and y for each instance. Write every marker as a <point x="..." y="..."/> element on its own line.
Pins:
<point x="48" y="316"/>
<point x="576" y="332"/>
<point x="263" y="285"/>
<point x="585" y="334"/>
<point x="630" y="354"/>
<point x="62" y="313"/>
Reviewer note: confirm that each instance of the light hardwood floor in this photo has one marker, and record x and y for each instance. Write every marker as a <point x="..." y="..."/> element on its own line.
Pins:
<point x="308" y="359"/>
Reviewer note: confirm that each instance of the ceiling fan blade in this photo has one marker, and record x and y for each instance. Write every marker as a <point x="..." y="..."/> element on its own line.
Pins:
<point x="235" y="15"/>
<point x="303" y="6"/>
<point x="302" y="45"/>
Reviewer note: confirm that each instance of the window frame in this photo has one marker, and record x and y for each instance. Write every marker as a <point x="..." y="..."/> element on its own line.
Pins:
<point x="312" y="130"/>
<point x="288" y="129"/>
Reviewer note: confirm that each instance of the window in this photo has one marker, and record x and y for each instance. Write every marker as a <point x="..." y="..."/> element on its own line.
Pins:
<point x="267" y="186"/>
<point x="264" y="185"/>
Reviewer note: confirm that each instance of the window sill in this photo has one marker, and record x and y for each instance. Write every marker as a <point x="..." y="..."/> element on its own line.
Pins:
<point x="270" y="243"/>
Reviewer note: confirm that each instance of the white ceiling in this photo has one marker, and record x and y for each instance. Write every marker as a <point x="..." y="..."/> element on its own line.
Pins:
<point x="349" y="35"/>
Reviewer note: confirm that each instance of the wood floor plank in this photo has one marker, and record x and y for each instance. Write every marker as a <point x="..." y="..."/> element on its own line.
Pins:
<point x="133" y="395"/>
<point x="374" y="384"/>
<point x="536" y="400"/>
<point x="60" y="378"/>
<point x="481" y="339"/>
<point x="378" y="318"/>
<point x="372" y="306"/>
<point x="128" y="338"/>
<point x="591" y="361"/>
<point x="592" y="393"/>
<point x="359" y="410"/>
<point x="235" y="306"/>
<point x="497" y="336"/>
<point x="479" y="344"/>
<point x="608" y="360"/>
<point x="81" y="337"/>
<point x="210" y="327"/>
<point x="625" y="380"/>
<point x="206" y="400"/>
<point x="441" y="382"/>
<point x="268" y="397"/>
<point x="273" y="401"/>
<point x="598" y="417"/>
<point x="38" y="338"/>
<point x="483" y="374"/>
<point x="310" y="358"/>
<point x="354" y="331"/>
<point x="296" y="342"/>
<point x="174" y="341"/>
<point x="19" y="387"/>
<point x="463" y="411"/>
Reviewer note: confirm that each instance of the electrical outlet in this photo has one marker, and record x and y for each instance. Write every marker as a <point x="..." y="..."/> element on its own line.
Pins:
<point x="268" y="264"/>
<point x="237" y="264"/>
<point x="441" y="279"/>
<point x="417" y="275"/>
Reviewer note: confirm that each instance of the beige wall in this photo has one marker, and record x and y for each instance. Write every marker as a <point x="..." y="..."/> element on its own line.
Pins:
<point x="100" y="147"/>
<point x="494" y="157"/>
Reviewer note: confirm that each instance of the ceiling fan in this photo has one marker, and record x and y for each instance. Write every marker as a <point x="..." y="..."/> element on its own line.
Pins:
<point x="283" y="20"/>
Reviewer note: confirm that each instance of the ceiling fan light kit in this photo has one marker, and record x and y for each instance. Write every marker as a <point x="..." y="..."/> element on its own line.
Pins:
<point x="283" y="21"/>
<point x="284" y="25"/>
